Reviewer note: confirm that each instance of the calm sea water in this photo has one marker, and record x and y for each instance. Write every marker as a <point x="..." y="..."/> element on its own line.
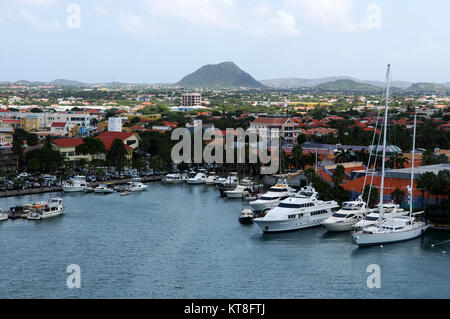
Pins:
<point x="184" y="241"/>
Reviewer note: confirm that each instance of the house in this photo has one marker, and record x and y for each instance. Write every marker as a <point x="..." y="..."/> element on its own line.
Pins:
<point x="287" y="128"/>
<point x="67" y="146"/>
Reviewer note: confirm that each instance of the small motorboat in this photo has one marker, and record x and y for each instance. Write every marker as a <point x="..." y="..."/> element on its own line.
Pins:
<point x="246" y="216"/>
<point x="43" y="210"/>
<point x="3" y="216"/>
<point x="103" y="189"/>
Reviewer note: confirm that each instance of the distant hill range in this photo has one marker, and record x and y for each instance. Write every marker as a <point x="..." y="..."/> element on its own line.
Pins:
<point x="347" y="86"/>
<point x="293" y="83"/>
<point x="222" y="75"/>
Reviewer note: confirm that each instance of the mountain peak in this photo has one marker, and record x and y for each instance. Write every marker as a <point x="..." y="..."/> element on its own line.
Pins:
<point x="222" y="75"/>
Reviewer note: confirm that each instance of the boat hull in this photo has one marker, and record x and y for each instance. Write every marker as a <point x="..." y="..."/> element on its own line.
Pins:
<point x="278" y="226"/>
<point x="73" y="189"/>
<point x="246" y="220"/>
<point x="45" y="215"/>
<point x="339" y="227"/>
<point x="363" y="239"/>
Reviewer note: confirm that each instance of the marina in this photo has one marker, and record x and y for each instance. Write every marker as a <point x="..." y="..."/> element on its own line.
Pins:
<point x="185" y="241"/>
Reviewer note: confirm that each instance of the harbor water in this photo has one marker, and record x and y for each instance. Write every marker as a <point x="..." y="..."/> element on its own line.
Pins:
<point x="182" y="241"/>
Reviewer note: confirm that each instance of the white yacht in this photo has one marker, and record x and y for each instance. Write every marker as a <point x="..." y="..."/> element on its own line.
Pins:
<point x="373" y="215"/>
<point x="136" y="186"/>
<point x="246" y="216"/>
<point x="199" y="178"/>
<point x="229" y="183"/>
<point x="75" y="184"/>
<point x="239" y="192"/>
<point x="103" y="189"/>
<point x="392" y="228"/>
<point x="174" y="178"/>
<point x="276" y="193"/>
<point x="43" y="210"/>
<point x="345" y="218"/>
<point x="211" y="179"/>
<point x="301" y="211"/>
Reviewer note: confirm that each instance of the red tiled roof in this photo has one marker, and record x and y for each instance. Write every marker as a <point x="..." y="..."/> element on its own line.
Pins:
<point x="59" y="124"/>
<point x="119" y="135"/>
<point x="68" y="142"/>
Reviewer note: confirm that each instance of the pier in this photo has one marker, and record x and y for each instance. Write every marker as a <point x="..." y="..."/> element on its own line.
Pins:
<point x="42" y="190"/>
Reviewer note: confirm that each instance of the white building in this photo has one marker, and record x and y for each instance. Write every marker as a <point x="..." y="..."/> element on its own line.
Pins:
<point x="115" y="124"/>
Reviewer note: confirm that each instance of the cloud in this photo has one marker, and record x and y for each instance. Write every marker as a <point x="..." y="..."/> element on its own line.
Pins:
<point x="101" y="10"/>
<point x="39" y="24"/>
<point x="265" y="22"/>
<point x="37" y="3"/>
<point x="137" y="24"/>
<point x="336" y="14"/>
<point x="212" y="13"/>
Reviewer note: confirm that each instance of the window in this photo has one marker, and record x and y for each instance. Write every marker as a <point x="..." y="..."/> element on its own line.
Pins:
<point x="291" y="216"/>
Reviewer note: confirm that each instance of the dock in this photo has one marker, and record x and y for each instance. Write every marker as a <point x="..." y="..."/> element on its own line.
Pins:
<point x="42" y="190"/>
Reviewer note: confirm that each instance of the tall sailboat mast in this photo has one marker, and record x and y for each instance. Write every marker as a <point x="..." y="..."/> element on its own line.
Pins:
<point x="412" y="166"/>
<point x="383" y="164"/>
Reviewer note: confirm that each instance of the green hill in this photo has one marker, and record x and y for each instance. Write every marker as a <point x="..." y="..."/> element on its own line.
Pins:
<point x="347" y="86"/>
<point x="222" y="75"/>
<point x="428" y="87"/>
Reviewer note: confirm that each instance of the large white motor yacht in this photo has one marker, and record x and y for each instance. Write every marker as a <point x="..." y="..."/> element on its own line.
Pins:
<point x="301" y="211"/>
<point x="43" y="210"/>
<point x="75" y="184"/>
<point x="276" y="193"/>
<point x="344" y="219"/>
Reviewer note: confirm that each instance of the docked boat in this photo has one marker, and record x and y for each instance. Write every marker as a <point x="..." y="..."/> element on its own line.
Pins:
<point x="136" y="186"/>
<point x="103" y="189"/>
<point x="392" y="229"/>
<point x="300" y="211"/>
<point x="345" y="218"/>
<point x="89" y="190"/>
<point x="17" y="212"/>
<point x="239" y="192"/>
<point x="211" y="179"/>
<point x="199" y="178"/>
<point x="276" y="193"/>
<point x="174" y="178"/>
<point x="54" y="207"/>
<point x="75" y="184"/>
<point x="228" y="184"/>
<point x="246" y="216"/>
<point x="3" y="216"/>
<point x="373" y="215"/>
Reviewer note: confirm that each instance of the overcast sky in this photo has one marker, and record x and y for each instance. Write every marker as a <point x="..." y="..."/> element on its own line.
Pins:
<point x="162" y="40"/>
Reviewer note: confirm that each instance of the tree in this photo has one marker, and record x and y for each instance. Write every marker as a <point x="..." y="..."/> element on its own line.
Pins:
<point x="397" y="160"/>
<point x="428" y="157"/>
<point x="116" y="156"/>
<point x="43" y="160"/>
<point x="338" y="176"/>
<point x="398" y="196"/>
<point x="425" y="183"/>
<point x="91" y="146"/>
<point x="344" y="156"/>
<point x="374" y="195"/>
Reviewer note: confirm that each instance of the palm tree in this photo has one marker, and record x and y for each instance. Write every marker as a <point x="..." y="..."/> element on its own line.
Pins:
<point x="397" y="160"/>
<point x="398" y="196"/>
<point x="344" y="156"/>
<point x="338" y="176"/>
<point x="425" y="183"/>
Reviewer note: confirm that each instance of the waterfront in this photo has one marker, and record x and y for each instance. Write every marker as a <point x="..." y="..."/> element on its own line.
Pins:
<point x="181" y="241"/>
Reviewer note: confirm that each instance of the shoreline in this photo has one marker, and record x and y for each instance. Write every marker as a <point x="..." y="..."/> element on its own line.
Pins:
<point x="43" y="190"/>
